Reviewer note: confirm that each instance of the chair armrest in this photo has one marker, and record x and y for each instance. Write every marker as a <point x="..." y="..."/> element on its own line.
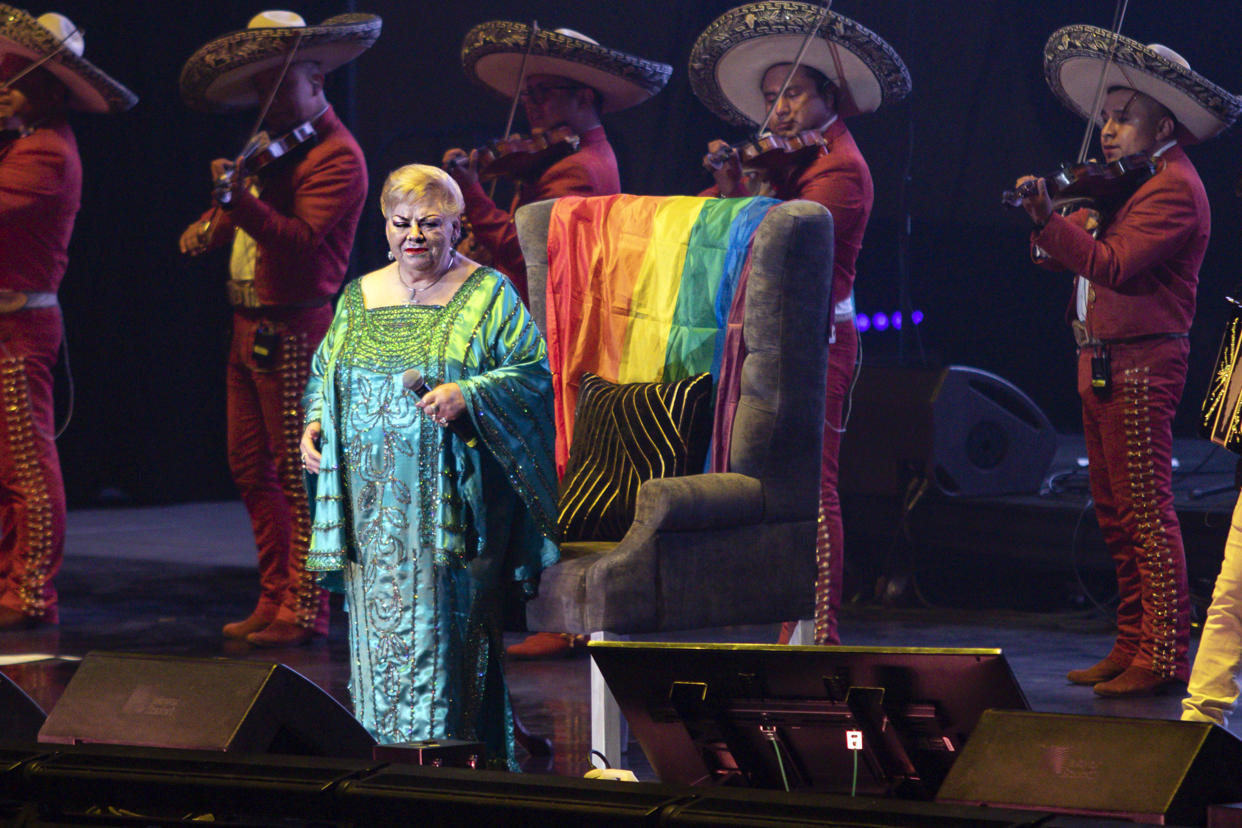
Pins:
<point x="699" y="501"/>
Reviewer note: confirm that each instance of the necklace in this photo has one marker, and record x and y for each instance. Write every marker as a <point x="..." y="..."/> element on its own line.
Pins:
<point x="414" y="291"/>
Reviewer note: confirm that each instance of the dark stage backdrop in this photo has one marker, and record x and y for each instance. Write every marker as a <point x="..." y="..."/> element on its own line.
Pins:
<point x="148" y="329"/>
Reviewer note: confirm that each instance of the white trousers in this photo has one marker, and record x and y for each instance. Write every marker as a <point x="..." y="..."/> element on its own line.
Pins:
<point x="1212" y="693"/>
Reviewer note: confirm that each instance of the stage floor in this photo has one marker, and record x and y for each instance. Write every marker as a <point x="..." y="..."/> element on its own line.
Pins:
<point x="163" y="580"/>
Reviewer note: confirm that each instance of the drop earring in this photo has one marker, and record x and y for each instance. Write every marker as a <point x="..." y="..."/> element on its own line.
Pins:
<point x="391" y="256"/>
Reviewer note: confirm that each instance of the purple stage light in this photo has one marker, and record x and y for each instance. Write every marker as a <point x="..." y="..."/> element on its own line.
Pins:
<point x="880" y="321"/>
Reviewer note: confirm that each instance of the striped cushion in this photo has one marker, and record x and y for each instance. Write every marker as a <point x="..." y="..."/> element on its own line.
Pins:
<point x="624" y="435"/>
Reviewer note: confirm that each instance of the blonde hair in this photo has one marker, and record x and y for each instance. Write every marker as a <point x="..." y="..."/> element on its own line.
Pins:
<point x="415" y="182"/>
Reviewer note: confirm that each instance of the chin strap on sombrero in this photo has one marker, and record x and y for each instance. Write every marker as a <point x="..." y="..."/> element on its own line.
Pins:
<point x="61" y="45"/>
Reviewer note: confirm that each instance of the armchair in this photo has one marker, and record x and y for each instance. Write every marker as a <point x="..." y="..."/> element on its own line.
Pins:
<point x="709" y="550"/>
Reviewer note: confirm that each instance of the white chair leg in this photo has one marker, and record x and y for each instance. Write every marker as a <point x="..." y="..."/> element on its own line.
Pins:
<point x="803" y="634"/>
<point x="608" y="731"/>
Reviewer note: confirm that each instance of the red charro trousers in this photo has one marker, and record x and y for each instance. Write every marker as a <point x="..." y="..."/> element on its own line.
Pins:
<point x="830" y="538"/>
<point x="32" y="493"/>
<point x="1129" y="448"/>
<point x="264" y="430"/>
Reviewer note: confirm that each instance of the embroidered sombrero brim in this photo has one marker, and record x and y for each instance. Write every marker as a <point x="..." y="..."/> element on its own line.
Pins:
<point x="492" y="55"/>
<point x="216" y="78"/>
<point x="90" y="88"/>
<point x="1075" y="55"/>
<point x="730" y="57"/>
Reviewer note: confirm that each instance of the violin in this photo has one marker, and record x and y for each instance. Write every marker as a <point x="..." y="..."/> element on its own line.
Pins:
<point x="1105" y="182"/>
<point x="260" y="151"/>
<point x="258" y="155"/>
<point x="522" y="156"/>
<point x="770" y="151"/>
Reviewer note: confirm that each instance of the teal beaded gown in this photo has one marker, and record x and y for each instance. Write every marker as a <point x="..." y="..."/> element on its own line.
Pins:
<point x="422" y="533"/>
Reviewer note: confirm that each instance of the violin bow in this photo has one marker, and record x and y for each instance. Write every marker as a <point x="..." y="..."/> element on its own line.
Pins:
<point x="271" y="93"/>
<point x="517" y="92"/>
<point x="517" y="89"/>
<point x="806" y="44"/>
<point x="60" y="47"/>
<point x="1119" y="16"/>
<point x="206" y="231"/>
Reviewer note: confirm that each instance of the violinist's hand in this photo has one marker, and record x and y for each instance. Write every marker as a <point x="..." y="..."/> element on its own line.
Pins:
<point x="464" y="168"/>
<point x="722" y="163"/>
<point x="1037" y="206"/>
<point x="224" y="178"/>
<point x="194" y="240"/>
<point x="443" y="403"/>
<point x="219" y="167"/>
<point x="10" y="102"/>
<point x="310" y="447"/>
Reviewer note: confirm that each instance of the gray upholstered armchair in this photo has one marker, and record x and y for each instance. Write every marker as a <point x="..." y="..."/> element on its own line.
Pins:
<point x="710" y="550"/>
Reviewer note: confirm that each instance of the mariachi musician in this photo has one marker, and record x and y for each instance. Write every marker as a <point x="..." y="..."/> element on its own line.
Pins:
<point x="42" y="75"/>
<point x="289" y="206"/>
<point x="565" y="81"/>
<point x="1133" y="303"/>
<point x="744" y="67"/>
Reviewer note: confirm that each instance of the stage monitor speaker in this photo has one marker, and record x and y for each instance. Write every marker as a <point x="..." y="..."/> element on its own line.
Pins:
<point x="1148" y="770"/>
<point x="202" y="704"/>
<point x="20" y="716"/>
<point x="967" y="431"/>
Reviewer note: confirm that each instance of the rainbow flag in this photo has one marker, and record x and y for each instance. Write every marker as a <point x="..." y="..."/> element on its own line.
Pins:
<point x="639" y="289"/>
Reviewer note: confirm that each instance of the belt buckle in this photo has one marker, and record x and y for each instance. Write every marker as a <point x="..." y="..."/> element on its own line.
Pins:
<point x="11" y="300"/>
<point x="241" y="294"/>
<point x="1081" y="338"/>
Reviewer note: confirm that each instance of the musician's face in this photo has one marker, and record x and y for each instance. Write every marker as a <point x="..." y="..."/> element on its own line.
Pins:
<point x="1132" y="123"/>
<point x="299" y="98"/>
<point x="13" y="103"/>
<point x="550" y="101"/>
<point x="802" y="107"/>
<point x="420" y="236"/>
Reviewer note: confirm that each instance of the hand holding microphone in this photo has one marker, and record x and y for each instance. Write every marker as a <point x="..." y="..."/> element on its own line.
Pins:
<point x="461" y="426"/>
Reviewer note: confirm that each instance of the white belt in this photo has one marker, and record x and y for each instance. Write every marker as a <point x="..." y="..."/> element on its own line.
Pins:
<point x="15" y="300"/>
<point x="844" y="310"/>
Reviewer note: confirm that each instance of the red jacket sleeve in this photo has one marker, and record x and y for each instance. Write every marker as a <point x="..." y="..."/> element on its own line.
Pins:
<point x="29" y="178"/>
<point x="1078" y="218"/>
<point x="1153" y="230"/>
<point x="321" y="200"/>
<point x="494" y="228"/>
<point x="840" y="189"/>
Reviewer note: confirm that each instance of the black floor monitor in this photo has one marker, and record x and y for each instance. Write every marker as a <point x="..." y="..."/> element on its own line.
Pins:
<point x="867" y="720"/>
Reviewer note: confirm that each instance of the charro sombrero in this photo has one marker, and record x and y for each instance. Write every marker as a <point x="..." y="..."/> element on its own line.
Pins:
<point x="1075" y="56"/>
<point x="216" y="78"/>
<point x="492" y="55"/>
<point x="730" y="57"/>
<point x="90" y="89"/>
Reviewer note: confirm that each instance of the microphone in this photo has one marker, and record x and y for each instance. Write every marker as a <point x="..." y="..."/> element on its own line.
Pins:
<point x="462" y="427"/>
